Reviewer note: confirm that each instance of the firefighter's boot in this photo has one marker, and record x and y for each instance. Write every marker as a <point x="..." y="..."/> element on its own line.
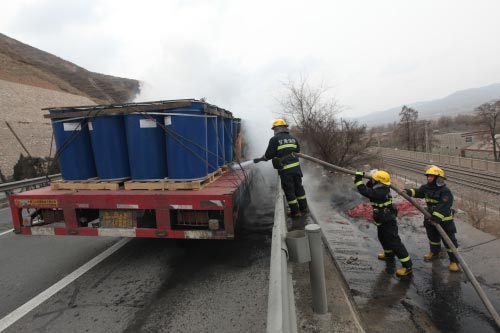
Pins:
<point x="404" y="272"/>
<point x="385" y="256"/>
<point x="453" y="267"/>
<point x="431" y="256"/>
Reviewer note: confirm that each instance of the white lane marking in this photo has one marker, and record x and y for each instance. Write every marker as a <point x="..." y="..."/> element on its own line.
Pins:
<point x="6" y="232"/>
<point x="21" y="311"/>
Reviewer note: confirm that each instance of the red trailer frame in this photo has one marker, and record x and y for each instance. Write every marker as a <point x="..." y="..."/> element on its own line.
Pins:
<point x="208" y="213"/>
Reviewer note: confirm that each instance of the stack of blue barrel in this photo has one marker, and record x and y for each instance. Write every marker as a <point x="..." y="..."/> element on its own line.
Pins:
<point x="185" y="143"/>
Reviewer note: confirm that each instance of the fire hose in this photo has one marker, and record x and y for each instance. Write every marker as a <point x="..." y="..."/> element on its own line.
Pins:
<point x="443" y="234"/>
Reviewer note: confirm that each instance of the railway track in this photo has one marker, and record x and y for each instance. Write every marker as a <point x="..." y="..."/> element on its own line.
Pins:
<point x="483" y="181"/>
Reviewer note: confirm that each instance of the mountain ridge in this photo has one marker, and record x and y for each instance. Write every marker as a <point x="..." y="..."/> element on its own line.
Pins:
<point x="458" y="102"/>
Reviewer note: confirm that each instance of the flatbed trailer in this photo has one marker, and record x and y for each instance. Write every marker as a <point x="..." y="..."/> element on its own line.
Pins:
<point x="208" y="213"/>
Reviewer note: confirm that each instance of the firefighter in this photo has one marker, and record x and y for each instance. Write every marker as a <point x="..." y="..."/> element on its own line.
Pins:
<point x="378" y="191"/>
<point x="439" y="200"/>
<point x="280" y="150"/>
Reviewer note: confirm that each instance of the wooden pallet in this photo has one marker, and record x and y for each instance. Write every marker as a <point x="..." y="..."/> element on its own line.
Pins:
<point x="172" y="185"/>
<point x="86" y="185"/>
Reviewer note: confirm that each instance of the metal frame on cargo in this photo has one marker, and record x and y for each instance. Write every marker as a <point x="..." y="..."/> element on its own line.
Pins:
<point x="95" y="110"/>
<point x="208" y="213"/>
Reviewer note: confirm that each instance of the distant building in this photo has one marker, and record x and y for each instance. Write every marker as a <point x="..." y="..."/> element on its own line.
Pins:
<point x="482" y="149"/>
<point x="455" y="143"/>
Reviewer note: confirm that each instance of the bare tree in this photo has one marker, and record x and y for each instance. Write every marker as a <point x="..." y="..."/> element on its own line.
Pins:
<point x="306" y="104"/>
<point x="337" y="141"/>
<point x="407" y="121"/>
<point x="445" y="122"/>
<point x="488" y="114"/>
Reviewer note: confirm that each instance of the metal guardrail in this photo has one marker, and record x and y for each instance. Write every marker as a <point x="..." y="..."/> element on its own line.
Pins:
<point x="6" y="187"/>
<point x="281" y="316"/>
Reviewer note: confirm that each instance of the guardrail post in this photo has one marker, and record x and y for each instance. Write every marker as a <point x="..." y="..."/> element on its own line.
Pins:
<point x="317" y="269"/>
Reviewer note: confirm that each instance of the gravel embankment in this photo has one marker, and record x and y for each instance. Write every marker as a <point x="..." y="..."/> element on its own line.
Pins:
<point x="21" y="106"/>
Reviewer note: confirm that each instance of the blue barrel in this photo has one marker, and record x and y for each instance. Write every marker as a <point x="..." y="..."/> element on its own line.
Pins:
<point x="76" y="160"/>
<point x="228" y="140"/>
<point x="212" y="143"/>
<point x="146" y="146"/>
<point x="220" y="141"/>
<point x="109" y="144"/>
<point x="186" y="138"/>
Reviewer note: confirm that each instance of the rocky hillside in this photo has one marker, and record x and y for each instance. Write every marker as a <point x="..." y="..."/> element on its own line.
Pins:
<point x="24" y="64"/>
<point x="31" y="79"/>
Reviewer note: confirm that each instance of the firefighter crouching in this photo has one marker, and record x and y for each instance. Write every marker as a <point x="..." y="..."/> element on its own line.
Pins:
<point x="280" y="150"/>
<point x="378" y="191"/>
<point x="439" y="200"/>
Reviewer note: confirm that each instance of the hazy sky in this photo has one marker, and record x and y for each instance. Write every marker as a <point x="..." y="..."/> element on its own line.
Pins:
<point x="373" y="54"/>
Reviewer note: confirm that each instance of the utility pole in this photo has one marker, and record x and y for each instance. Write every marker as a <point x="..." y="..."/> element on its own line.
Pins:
<point x="426" y="138"/>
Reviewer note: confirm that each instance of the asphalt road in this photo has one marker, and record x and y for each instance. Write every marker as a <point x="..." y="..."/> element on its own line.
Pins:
<point x="147" y="285"/>
<point x="5" y="219"/>
<point x="31" y="264"/>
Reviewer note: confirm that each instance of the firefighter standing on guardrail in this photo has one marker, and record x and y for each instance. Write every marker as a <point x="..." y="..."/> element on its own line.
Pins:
<point x="280" y="150"/>
<point x="385" y="214"/>
<point x="439" y="200"/>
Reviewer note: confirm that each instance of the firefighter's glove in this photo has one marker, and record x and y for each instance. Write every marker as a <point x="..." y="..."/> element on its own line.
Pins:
<point x="358" y="176"/>
<point x="257" y="160"/>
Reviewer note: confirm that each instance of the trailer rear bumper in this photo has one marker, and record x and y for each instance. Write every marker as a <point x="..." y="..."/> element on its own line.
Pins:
<point x="208" y="213"/>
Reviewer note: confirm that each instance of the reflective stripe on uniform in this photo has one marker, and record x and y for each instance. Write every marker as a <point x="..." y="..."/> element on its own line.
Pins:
<point x="449" y="250"/>
<point x="429" y="200"/>
<point x="302" y="197"/>
<point x="388" y="251"/>
<point x="288" y="166"/>
<point x="442" y="217"/>
<point x="405" y="259"/>
<point x="288" y="145"/>
<point x="358" y="183"/>
<point x="294" y="201"/>
<point x="383" y="204"/>
<point x="435" y="243"/>
<point x="412" y="192"/>
<point x="377" y="224"/>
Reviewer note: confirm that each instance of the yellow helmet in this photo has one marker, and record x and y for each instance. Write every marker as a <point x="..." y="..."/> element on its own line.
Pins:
<point x="382" y="176"/>
<point x="279" y="122"/>
<point x="435" y="171"/>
